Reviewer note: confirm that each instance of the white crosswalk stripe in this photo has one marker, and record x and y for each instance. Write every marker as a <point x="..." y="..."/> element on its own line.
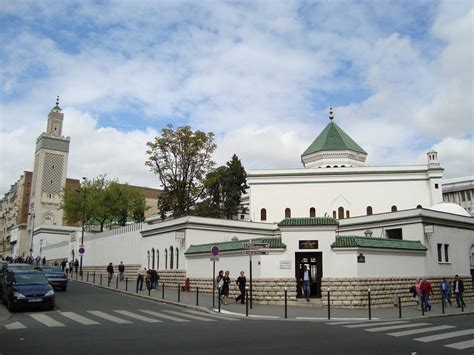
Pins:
<point x="78" y="318"/>
<point x="47" y="320"/>
<point x="211" y="315"/>
<point x="423" y="330"/>
<point x="109" y="317"/>
<point x="374" y="324"/>
<point x="392" y="327"/>
<point x="462" y="345"/>
<point x="445" y="335"/>
<point x="138" y="316"/>
<point x="165" y="316"/>
<point x="15" y="325"/>
<point x="191" y="316"/>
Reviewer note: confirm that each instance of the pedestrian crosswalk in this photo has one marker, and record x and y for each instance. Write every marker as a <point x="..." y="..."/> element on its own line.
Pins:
<point x="431" y="333"/>
<point x="95" y="317"/>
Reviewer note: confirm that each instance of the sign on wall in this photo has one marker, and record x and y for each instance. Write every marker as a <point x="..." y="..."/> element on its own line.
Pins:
<point x="308" y="244"/>
<point x="361" y="258"/>
<point x="285" y="264"/>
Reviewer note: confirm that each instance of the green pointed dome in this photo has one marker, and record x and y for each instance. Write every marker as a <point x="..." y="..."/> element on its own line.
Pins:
<point x="333" y="138"/>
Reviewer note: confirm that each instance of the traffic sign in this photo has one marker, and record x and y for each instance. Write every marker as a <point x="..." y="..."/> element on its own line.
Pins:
<point x="215" y="250"/>
<point x="214" y="258"/>
<point x="262" y="245"/>
<point x="255" y="252"/>
<point x="82" y="250"/>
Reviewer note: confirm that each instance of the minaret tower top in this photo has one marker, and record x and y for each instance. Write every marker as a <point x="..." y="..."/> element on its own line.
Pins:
<point x="55" y="121"/>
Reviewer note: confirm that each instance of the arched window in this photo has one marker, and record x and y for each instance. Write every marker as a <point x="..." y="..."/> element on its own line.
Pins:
<point x="334" y="214"/>
<point x="152" y="258"/>
<point x="419" y="206"/>
<point x="148" y="258"/>
<point x="328" y="166"/>
<point x="263" y="214"/>
<point x="369" y="211"/>
<point x="340" y="212"/>
<point x="171" y="257"/>
<point x="287" y="213"/>
<point x="348" y="214"/>
<point x="166" y="258"/>
<point x="394" y="208"/>
<point x="157" y="259"/>
<point x="177" y="258"/>
<point x="312" y="212"/>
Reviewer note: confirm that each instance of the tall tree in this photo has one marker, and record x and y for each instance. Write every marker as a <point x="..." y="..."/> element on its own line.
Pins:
<point x="181" y="158"/>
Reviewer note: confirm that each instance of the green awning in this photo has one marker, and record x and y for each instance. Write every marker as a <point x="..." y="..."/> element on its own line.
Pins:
<point x="377" y="243"/>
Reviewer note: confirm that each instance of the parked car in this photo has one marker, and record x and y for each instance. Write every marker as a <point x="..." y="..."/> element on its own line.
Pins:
<point x="27" y="290"/>
<point x="11" y="267"/>
<point x="55" y="275"/>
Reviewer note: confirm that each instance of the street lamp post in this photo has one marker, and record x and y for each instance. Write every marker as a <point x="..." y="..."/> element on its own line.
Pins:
<point x="32" y="219"/>
<point x="83" y="221"/>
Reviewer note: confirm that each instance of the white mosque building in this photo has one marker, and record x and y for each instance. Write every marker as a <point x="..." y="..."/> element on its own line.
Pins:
<point x="354" y="226"/>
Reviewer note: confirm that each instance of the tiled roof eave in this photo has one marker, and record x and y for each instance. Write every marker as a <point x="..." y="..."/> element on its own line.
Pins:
<point x="360" y="248"/>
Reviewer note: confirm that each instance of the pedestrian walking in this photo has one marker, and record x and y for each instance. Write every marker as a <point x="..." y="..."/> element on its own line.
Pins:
<point x="154" y="279"/>
<point x="445" y="289"/>
<point x="241" y="281"/>
<point x="63" y="264"/>
<point x="418" y="293"/>
<point x="426" y="292"/>
<point x="220" y="284"/>
<point x="71" y="266"/>
<point x="121" y="270"/>
<point x="148" y="280"/>
<point x="66" y="268"/>
<point x="306" y="280"/>
<point x="225" y="287"/>
<point x="458" y="287"/>
<point x="110" y="271"/>
<point x="140" y="277"/>
<point x="76" y="265"/>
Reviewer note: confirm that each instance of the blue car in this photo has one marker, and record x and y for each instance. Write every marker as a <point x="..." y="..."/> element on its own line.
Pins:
<point x="55" y="275"/>
<point x="24" y="290"/>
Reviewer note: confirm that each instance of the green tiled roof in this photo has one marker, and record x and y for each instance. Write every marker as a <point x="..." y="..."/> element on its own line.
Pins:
<point x="233" y="245"/>
<point x="308" y="221"/>
<point x="333" y="138"/>
<point x="379" y="243"/>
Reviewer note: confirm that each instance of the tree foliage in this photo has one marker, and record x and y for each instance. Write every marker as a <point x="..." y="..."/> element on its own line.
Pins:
<point x="106" y="202"/>
<point x="224" y="188"/>
<point x="181" y="158"/>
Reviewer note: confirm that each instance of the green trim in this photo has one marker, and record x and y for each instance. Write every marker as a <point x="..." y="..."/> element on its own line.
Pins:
<point x="377" y="243"/>
<point x="275" y="243"/>
<point x="309" y="221"/>
<point x="333" y="138"/>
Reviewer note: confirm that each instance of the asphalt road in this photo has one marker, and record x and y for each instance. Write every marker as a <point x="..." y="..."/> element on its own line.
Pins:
<point x="89" y="320"/>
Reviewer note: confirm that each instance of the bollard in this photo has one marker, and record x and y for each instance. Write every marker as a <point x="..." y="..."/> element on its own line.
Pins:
<point x="462" y="304"/>
<point x="442" y="304"/>
<point x="286" y="303"/>
<point x="126" y="284"/>
<point x="219" y="304"/>
<point x="138" y="283"/>
<point x="76" y="274"/>
<point x="163" y="291"/>
<point x="399" y="307"/>
<point x="82" y="276"/>
<point x="197" y="296"/>
<point x="329" y="304"/>
<point x="116" y="282"/>
<point x="370" y="305"/>
<point x="101" y="279"/>
<point x="149" y="290"/>
<point x="93" y="278"/>
<point x="108" y="281"/>
<point x="246" y="301"/>
<point x="87" y="277"/>
<point x="179" y="293"/>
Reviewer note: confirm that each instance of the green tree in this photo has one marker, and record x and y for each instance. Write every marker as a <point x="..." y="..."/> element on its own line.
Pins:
<point x="181" y="158"/>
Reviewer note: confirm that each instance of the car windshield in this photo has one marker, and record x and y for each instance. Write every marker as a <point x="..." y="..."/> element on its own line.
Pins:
<point x="14" y="267"/>
<point x="29" y="279"/>
<point x="51" y="269"/>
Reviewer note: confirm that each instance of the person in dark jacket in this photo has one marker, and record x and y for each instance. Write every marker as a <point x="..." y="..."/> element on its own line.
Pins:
<point x="76" y="265"/>
<point x="225" y="287"/>
<point x="458" y="288"/>
<point x="220" y="284"/>
<point x="241" y="282"/>
<point x="154" y="279"/>
<point x="110" y="271"/>
<point x="121" y="269"/>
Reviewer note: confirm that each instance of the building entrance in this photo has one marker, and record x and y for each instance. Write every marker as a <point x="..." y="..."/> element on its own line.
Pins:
<point x="314" y="262"/>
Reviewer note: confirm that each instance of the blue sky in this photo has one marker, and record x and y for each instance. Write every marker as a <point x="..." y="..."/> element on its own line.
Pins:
<point x="261" y="75"/>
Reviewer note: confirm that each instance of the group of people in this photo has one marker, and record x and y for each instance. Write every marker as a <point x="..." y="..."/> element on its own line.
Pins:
<point x="223" y="285"/>
<point x="68" y="266"/>
<point x="38" y="261"/>
<point x="422" y="291"/>
<point x="111" y="271"/>
<point x="150" y="277"/>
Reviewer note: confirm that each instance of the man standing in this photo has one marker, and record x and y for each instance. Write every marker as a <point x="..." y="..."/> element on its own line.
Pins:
<point x="141" y="275"/>
<point x="76" y="265"/>
<point x="306" y="279"/>
<point x="445" y="289"/>
<point x="110" y="272"/>
<point x="121" y="269"/>
<point x="241" y="281"/>
<point x="458" y="287"/>
<point x="426" y="291"/>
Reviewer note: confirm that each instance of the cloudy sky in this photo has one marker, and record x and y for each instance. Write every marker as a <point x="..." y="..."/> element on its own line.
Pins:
<point x="259" y="74"/>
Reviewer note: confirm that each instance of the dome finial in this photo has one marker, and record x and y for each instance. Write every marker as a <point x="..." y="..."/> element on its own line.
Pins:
<point x="57" y="101"/>
<point x="331" y="114"/>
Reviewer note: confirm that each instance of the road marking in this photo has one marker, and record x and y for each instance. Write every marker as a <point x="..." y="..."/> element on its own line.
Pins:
<point x="382" y="329"/>
<point x="137" y="316"/>
<point x="223" y="311"/>
<point x="423" y="330"/>
<point x="335" y="322"/>
<point x="46" y="320"/>
<point x="109" y="317"/>
<point x="211" y="315"/>
<point x="462" y="345"/>
<point x="165" y="316"/>
<point x="78" y="318"/>
<point x="374" y="324"/>
<point x="445" y="336"/>
<point x="15" y="325"/>
<point x="190" y="316"/>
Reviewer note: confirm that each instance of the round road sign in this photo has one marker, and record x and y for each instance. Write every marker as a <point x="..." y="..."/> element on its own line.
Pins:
<point x="82" y="250"/>
<point x="215" y="250"/>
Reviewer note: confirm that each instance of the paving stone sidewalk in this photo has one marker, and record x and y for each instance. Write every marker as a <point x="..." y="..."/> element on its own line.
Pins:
<point x="295" y="312"/>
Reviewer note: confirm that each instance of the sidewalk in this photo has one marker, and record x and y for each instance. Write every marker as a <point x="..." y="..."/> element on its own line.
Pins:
<point x="204" y="302"/>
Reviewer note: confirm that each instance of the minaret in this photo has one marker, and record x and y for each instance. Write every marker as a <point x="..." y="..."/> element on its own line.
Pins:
<point x="50" y="172"/>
